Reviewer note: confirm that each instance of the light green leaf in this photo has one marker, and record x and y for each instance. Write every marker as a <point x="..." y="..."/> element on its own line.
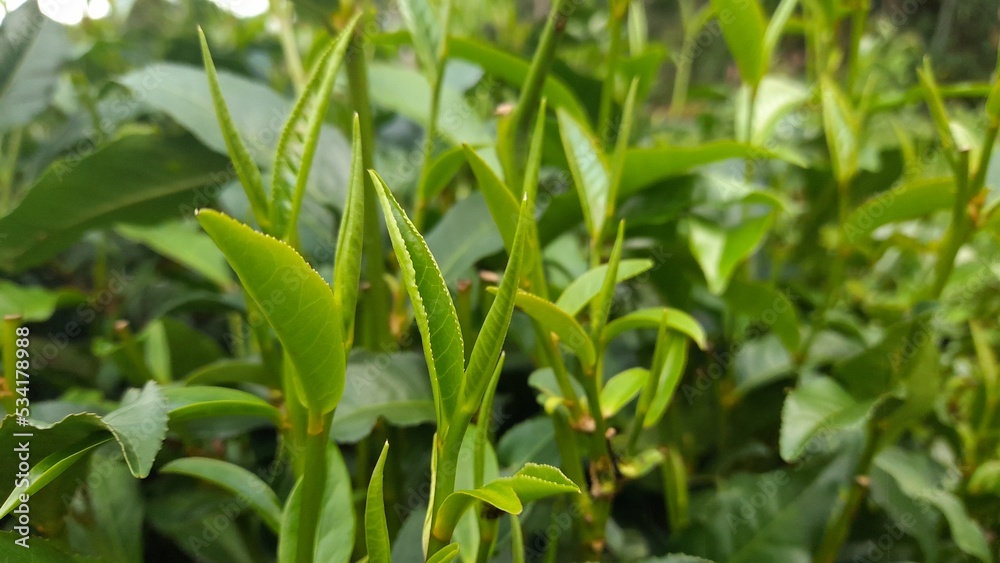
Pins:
<point x="446" y="554"/>
<point x="443" y="170"/>
<point x="668" y="367"/>
<point x="243" y="163"/>
<point x="347" y="262"/>
<point x="489" y="343"/>
<point x="32" y="303"/>
<point x="295" y="300"/>
<point x="557" y="321"/>
<point x="432" y="306"/>
<point x="580" y="291"/>
<point x="33" y="48"/>
<point x="590" y="173"/>
<point x="650" y="318"/>
<point x="719" y="251"/>
<point x="622" y="388"/>
<point x="336" y="520"/>
<point x="183" y="243"/>
<point x="621" y="149"/>
<point x="197" y="402"/>
<point x="235" y="479"/>
<point x="141" y="178"/>
<point x="818" y="409"/>
<point x="743" y="27"/>
<point x="842" y="129"/>
<point x="300" y="135"/>
<point x="376" y="530"/>
<point x="904" y="202"/>
<point x="986" y="479"/>
<point x="501" y="202"/>
<point x="776" y="97"/>
<point x="775" y="28"/>
<point x="43" y="472"/>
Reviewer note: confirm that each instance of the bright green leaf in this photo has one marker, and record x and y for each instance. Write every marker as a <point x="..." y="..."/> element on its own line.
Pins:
<point x="376" y="530"/>
<point x="235" y="479"/>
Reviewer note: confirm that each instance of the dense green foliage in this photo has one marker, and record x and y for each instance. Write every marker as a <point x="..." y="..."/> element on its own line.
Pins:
<point x="423" y="280"/>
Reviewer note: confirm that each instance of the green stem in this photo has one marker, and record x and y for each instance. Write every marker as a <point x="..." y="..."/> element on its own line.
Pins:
<point x="313" y="484"/>
<point x="839" y="526"/>
<point x="447" y="451"/>
<point x="859" y="17"/>
<point x="373" y="326"/>
<point x="958" y="230"/>
<point x="430" y="136"/>
<point x="617" y="16"/>
<point x="531" y="94"/>
<point x="8" y="169"/>
<point x="682" y="78"/>
<point x="282" y="11"/>
<point x="8" y="335"/>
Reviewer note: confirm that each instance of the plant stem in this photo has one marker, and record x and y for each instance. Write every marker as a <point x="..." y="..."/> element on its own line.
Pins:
<point x="282" y="11"/>
<point x="373" y="326"/>
<point x="531" y="94"/>
<point x="430" y="136"/>
<point x="682" y="78"/>
<point x="313" y="484"/>
<point x="839" y="526"/>
<point x="447" y="452"/>
<point x="8" y="336"/>
<point x="859" y="17"/>
<point x="616" y="18"/>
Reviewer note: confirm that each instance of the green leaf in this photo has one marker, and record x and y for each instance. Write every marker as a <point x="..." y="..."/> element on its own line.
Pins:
<point x="601" y="306"/>
<point x="618" y="158"/>
<point x="904" y="202"/>
<point x="986" y="479"/>
<point x="300" y="135"/>
<point x="842" y="129"/>
<point x="514" y="70"/>
<point x="905" y="468"/>
<point x="336" y="520"/>
<point x="407" y="93"/>
<point x="499" y="199"/>
<point x="197" y="402"/>
<point x="775" y="28"/>
<point x="32" y="303"/>
<point x="489" y="343"/>
<point x="295" y="300"/>
<point x="43" y="472"/>
<point x="763" y="304"/>
<point x="428" y="39"/>
<point x="235" y="479"/>
<point x="140" y="178"/>
<point x="432" y="306"/>
<point x="42" y="550"/>
<point x="622" y="388"/>
<point x="376" y="530"/>
<point x="446" y="554"/>
<point x="465" y="235"/>
<point x="557" y="321"/>
<point x="719" y="250"/>
<point x="743" y="27"/>
<point x="650" y="318"/>
<point x="530" y="483"/>
<point x="672" y="356"/>
<point x="580" y="291"/>
<point x="818" y="409"/>
<point x="645" y="167"/>
<point x="443" y="170"/>
<point x="590" y="173"/>
<point x="347" y="262"/>
<point x="231" y="371"/>
<point x="777" y="96"/>
<point x="243" y="163"/>
<point x="33" y="49"/>
<point x="183" y="243"/>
